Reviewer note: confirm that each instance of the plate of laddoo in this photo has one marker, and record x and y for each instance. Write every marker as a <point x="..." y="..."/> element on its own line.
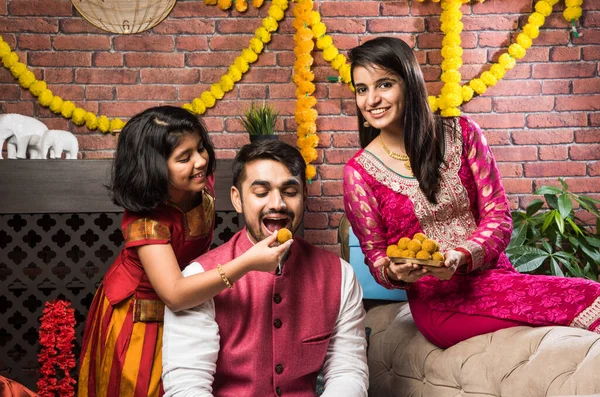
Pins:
<point x="419" y="249"/>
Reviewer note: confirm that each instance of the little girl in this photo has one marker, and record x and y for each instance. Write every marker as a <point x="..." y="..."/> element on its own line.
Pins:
<point x="163" y="177"/>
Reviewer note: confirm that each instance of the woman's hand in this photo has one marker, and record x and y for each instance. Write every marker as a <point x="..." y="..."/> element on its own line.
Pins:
<point x="453" y="259"/>
<point x="266" y="255"/>
<point x="407" y="272"/>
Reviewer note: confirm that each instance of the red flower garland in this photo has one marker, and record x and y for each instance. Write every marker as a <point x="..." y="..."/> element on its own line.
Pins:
<point x="56" y="358"/>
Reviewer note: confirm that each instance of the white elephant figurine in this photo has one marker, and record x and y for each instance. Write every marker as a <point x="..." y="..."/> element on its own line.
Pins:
<point x="57" y="142"/>
<point x="23" y="129"/>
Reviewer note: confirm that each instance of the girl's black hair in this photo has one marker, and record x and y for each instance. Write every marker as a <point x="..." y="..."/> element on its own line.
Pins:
<point x="423" y="132"/>
<point x="140" y="177"/>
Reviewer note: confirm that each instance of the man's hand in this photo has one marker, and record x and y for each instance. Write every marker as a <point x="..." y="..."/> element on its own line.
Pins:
<point x="407" y="272"/>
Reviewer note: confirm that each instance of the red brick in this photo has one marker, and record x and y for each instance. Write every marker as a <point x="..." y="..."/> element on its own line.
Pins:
<point x="9" y="93"/>
<point x="585" y="152"/>
<point x="520" y="71"/>
<point x="556" y="87"/>
<point x="536" y="54"/>
<point x="58" y="75"/>
<point x="34" y="42"/>
<point x="149" y="43"/>
<point x="107" y="59"/>
<point x="99" y="155"/>
<point x="339" y="156"/>
<point x="394" y="8"/>
<point x="333" y="188"/>
<point x="565" y="54"/>
<point x="99" y="93"/>
<point x="34" y="25"/>
<point x="591" y="36"/>
<point x="229" y="43"/>
<point x="230" y="141"/>
<point x="326" y="204"/>
<point x="497" y="137"/>
<point x="338" y="123"/>
<point x="499" y="120"/>
<point x="62" y="58"/>
<point x="4" y="7"/>
<point x="425" y="8"/>
<point x="350" y="9"/>
<point x="594" y="169"/>
<point x="583" y="185"/>
<point x="124" y="109"/>
<point x="78" y="42"/>
<point x="206" y="59"/>
<point x="510" y="170"/>
<point x="67" y="92"/>
<point x="254" y="91"/>
<point x="340" y="91"/>
<point x="106" y="76"/>
<point x="485" y="23"/>
<point x="553" y="153"/>
<point x="545" y="169"/>
<point x="349" y="107"/>
<point x="232" y="26"/>
<point x="78" y="25"/>
<point x="189" y="92"/>
<point x="185" y="26"/>
<point x="409" y="24"/>
<point x="494" y="39"/>
<point x="515" y="153"/>
<point x="194" y="9"/>
<point x="97" y="142"/>
<point x="591" y="53"/>
<point x="266" y="75"/>
<point x="45" y="8"/>
<point x="495" y="7"/>
<point x="532" y="104"/>
<point x="517" y="185"/>
<point x="155" y="60"/>
<point x="516" y="87"/>
<point x="558" y="70"/>
<point x="316" y="220"/>
<point x="586" y="86"/>
<point x="350" y="140"/>
<point x="587" y="136"/>
<point x="578" y="102"/>
<point x="594" y="119"/>
<point x="191" y="43"/>
<point x="169" y="76"/>
<point x="327" y="107"/>
<point x="331" y="171"/>
<point x="154" y="92"/>
<point x="542" y="137"/>
<point x="478" y="105"/>
<point x="266" y="59"/>
<point x="556" y="120"/>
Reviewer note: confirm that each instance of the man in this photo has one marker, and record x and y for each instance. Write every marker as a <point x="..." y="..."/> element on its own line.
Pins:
<point x="271" y="332"/>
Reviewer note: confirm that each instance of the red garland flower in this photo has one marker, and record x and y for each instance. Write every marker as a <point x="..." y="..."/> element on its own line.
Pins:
<point x="56" y="358"/>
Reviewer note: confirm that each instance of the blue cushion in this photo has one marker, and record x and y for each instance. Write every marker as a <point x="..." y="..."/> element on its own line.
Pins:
<point x="371" y="290"/>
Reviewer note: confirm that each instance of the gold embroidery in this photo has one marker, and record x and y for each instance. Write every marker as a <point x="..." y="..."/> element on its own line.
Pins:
<point x="148" y="310"/>
<point x="200" y="219"/>
<point x="587" y="316"/>
<point x="487" y="190"/>
<point x="477" y="252"/>
<point x="146" y="229"/>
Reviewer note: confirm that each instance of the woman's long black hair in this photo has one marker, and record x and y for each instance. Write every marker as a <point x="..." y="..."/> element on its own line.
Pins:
<point x="423" y="132"/>
<point x="140" y="176"/>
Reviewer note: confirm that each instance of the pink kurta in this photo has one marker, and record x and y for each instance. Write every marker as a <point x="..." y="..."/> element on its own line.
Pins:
<point x="473" y="216"/>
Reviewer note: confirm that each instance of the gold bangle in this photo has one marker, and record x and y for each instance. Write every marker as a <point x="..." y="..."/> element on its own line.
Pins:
<point x="223" y="276"/>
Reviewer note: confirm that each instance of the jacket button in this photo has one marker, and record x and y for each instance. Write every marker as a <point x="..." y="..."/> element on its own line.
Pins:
<point x="277" y="298"/>
<point x="277" y="323"/>
<point x="279" y="368"/>
<point x="278" y="391"/>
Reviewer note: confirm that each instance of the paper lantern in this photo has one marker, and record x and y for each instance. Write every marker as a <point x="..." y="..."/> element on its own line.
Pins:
<point x="124" y="16"/>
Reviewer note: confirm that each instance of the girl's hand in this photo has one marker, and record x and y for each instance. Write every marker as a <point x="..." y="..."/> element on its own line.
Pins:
<point x="407" y="272"/>
<point x="266" y="255"/>
<point x="453" y="259"/>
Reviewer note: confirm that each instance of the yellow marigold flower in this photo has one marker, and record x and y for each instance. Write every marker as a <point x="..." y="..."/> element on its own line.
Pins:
<point x="450" y="112"/>
<point x="256" y="45"/>
<point x="338" y="61"/>
<point x="270" y="24"/>
<point x="241" y="64"/>
<point x="226" y="83"/>
<point x="451" y="39"/>
<point x="452" y="27"/>
<point x="210" y="2"/>
<point x="78" y="116"/>
<point x="315" y="18"/>
<point x="450" y="88"/>
<point x="263" y="35"/>
<point x="4" y="49"/>
<point x="498" y="71"/>
<point x="452" y="51"/>
<point x="275" y="12"/>
<point x="103" y="124"/>
<point x="478" y="86"/>
<point x="241" y="5"/>
<point x="188" y="107"/>
<point x="523" y="40"/>
<point x="56" y="104"/>
<point x="306" y="116"/>
<point x="45" y="97"/>
<point x="10" y="59"/>
<point x="283" y="4"/>
<point x="451" y="76"/>
<point x="208" y="99"/>
<point x="516" y="51"/>
<point x="18" y="69"/>
<point x="531" y="30"/>
<point x="304" y="60"/>
<point x="310" y="154"/>
<point x="311" y="172"/>
<point x="257" y="3"/>
<point x="304" y="47"/>
<point x="116" y="125"/>
<point x="345" y="73"/>
<point x="91" y="121"/>
<point x="224" y="4"/>
<point x="507" y="61"/>
<point x="452" y="63"/>
<point x="26" y="79"/>
<point x="319" y="29"/>
<point x="67" y="109"/>
<point x="467" y="93"/>
<point x="536" y="19"/>
<point x="543" y="8"/>
<point x="217" y="91"/>
<point x="37" y="87"/>
<point x="249" y="55"/>
<point x="235" y="73"/>
<point x="302" y="34"/>
<point x="307" y="101"/>
<point x="489" y="79"/>
<point x="307" y="129"/>
<point x="324" y="42"/>
<point x="305" y="87"/>
<point x="433" y="103"/>
<point x="573" y="3"/>
<point x="330" y="53"/>
<point x="453" y="99"/>
<point x="451" y="15"/>
<point x="572" y="13"/>
<point x="198" y="106"/>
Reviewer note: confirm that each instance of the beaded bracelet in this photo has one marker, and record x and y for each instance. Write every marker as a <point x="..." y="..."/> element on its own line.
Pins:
<point x="224" y="277"/>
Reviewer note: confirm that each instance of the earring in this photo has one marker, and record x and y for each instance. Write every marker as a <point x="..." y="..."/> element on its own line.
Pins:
<point x="366" y="124"/>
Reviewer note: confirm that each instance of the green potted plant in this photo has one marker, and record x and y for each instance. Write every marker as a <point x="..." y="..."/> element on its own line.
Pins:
<point x="555" y="240"/>
<point x="260" y="121"/>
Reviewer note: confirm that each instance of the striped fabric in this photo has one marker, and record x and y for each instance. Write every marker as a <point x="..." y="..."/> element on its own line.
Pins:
<point x="121" y="347"/>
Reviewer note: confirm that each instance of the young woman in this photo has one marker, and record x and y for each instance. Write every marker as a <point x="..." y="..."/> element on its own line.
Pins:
<point x="417" y="172"/>
<point x="163" y="177"/>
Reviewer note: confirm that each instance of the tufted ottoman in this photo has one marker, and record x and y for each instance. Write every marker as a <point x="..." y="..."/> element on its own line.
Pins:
<point x="515" y="362"/>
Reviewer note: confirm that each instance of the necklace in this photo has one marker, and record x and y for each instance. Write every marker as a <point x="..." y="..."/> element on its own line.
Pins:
<point x="396" y="156"/>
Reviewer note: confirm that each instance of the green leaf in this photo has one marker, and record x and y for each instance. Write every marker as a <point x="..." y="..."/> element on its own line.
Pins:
<point x="564" y="205"/>
<point x="560" y="222"/>
<point x="548" y="221"/>
<point x="574" y="226"/>
<point x="534" y="206"/>
<point x="519" y="236"/>
<point x="563" y="184"/>
<point x="593" y="241"/>
<point x="589" y="205"/>
<point x="573" y="269"/>
<point x="548" y="190"/>
<point x="527" y="250"/>
<point x="531" y="264"/>
<point x="551" y="200"/>
<point x="555" y="268"/>
<point x="592" y="253"/>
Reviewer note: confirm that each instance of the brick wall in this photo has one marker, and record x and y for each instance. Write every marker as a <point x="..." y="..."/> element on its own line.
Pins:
<point x="542" y="119"/>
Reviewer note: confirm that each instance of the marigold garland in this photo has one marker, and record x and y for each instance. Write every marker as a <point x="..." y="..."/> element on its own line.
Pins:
<point x="56" y="358"/>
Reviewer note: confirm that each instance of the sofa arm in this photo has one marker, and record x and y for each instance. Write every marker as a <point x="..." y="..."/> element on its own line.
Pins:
<point x="519" y="361"/>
